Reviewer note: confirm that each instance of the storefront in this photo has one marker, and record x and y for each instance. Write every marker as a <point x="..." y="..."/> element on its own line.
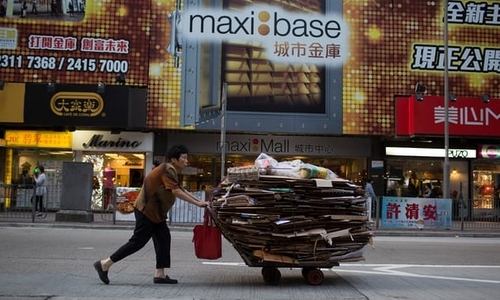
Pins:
<point x="474" y="167"/>
<point x="60" y="109"/>
<point x="27" y="149"/>
<point x="418" y="172"/>
<point x="120" y="160"/>
<point x="486" y="181"/>
<point x="345" y="156"/>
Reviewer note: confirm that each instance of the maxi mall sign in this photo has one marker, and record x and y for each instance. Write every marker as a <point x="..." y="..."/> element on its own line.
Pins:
<point x="246" y="144"/>
<point x="285" y="36"/>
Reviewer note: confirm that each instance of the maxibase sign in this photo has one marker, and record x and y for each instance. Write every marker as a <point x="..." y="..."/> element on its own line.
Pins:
<point x="285" y="36"/>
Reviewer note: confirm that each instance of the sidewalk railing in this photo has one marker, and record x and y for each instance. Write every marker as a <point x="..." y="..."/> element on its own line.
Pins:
<point x="16" y="205"/>
<point x="17" y="201"/>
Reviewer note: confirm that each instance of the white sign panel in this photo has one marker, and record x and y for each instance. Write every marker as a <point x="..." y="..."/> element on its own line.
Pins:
<point x="430" y="152"/>
<point x="286" y="36"/>
<point x="105" y="141"/>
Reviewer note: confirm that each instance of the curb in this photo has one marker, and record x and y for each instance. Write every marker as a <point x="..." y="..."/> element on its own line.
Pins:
<point x="189" y="227"/>
<point x="87" y="226"/>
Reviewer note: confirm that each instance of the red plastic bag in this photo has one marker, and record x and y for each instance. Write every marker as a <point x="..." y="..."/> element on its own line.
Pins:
<point x="207" y="239"/>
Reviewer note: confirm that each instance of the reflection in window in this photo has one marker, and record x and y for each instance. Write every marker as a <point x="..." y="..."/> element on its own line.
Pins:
<point x="257" y="84"/>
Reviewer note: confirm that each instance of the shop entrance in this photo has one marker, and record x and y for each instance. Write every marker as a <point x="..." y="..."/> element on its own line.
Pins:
<point x="486" y="190"/>
<point x="112" y="171"/>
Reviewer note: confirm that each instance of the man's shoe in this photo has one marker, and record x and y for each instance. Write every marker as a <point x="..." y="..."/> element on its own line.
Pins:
<point x="166" y="280"/>
<point x="103" y="275"/>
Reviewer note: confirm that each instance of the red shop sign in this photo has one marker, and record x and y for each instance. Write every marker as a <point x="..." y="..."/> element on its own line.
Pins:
<point x="466" y="116"/>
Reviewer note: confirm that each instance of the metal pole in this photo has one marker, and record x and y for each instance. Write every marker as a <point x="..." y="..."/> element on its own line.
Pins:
<point x="446" y="165"/>
<point x="33" y="204"/>
<point x="462" y="207"/>
<point x="223" y="131"/>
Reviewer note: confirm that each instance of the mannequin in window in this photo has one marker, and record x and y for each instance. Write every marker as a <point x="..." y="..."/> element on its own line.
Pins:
<point x="108" y="185"/>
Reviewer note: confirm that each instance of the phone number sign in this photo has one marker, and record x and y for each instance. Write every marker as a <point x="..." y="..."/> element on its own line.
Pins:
<point x="64" y="63"/>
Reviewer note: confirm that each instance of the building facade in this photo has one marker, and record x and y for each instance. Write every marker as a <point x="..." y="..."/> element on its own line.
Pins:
<point x="328" y="83"/>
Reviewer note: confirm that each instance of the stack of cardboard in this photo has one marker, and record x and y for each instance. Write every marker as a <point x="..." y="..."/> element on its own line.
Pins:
<point x="293" y="222"/>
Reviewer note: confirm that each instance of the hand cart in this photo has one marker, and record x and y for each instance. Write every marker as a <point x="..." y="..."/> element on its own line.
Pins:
<point x="273" y="227"/>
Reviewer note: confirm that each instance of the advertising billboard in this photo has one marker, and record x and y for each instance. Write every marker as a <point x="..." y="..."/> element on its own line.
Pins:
<point x="395" y="44"/>
<point x="311" y="67"/>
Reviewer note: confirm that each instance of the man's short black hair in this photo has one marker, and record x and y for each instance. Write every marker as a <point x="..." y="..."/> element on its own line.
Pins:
<point x="176" y="152"/>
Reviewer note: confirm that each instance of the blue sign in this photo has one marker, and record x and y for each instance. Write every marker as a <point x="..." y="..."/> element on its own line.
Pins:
<point x="419" y="213"/>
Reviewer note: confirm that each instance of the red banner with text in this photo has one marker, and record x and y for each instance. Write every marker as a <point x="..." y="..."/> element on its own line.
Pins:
<point x="466" y="116"/>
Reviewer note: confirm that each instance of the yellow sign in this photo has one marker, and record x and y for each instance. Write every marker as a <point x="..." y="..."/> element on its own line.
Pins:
<point x="38" y="139"/>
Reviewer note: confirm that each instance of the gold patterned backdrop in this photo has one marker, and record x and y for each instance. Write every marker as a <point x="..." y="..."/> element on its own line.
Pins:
<point x="106" y="19"/>
<point x="383" y="36"/>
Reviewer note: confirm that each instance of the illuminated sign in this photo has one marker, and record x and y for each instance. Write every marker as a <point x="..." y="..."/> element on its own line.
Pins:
<point x="285" y="36"/>
<point x="489" y="151"/>
<point x="467" y="116"/>
<point x="97" y="140"/>
<point x="38" y="139"/>
<point x="87" y="140"/>
<point x="430" y="152"/>
<point x="74" y="104"/>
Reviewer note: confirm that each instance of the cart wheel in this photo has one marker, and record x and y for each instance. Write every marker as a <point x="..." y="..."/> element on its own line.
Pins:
<point x="313" y="276"/>
<point x="271" y="275"/>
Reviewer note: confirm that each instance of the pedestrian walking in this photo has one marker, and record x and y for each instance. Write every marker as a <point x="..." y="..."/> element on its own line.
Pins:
<point x="159" y="191"/>
<point x="34" y="7"/>
<point x="71" y="9"/>
<point x="24" y="9"/>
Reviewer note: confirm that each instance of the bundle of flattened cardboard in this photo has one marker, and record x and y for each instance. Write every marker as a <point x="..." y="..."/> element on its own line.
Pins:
<point x="291" y="221"/>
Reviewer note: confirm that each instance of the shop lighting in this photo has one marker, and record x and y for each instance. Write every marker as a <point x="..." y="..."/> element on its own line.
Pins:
<point x="420" y="90"/>
<point x="429" y="152"/>
<point x="485" y="98"/>
<point x="101" y="87"/>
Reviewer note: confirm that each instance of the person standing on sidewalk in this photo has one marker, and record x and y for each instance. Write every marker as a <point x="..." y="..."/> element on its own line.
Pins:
<point x="370" y="192"/>
<point x="150" y="214"/>
<point x="40" y="188"/>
